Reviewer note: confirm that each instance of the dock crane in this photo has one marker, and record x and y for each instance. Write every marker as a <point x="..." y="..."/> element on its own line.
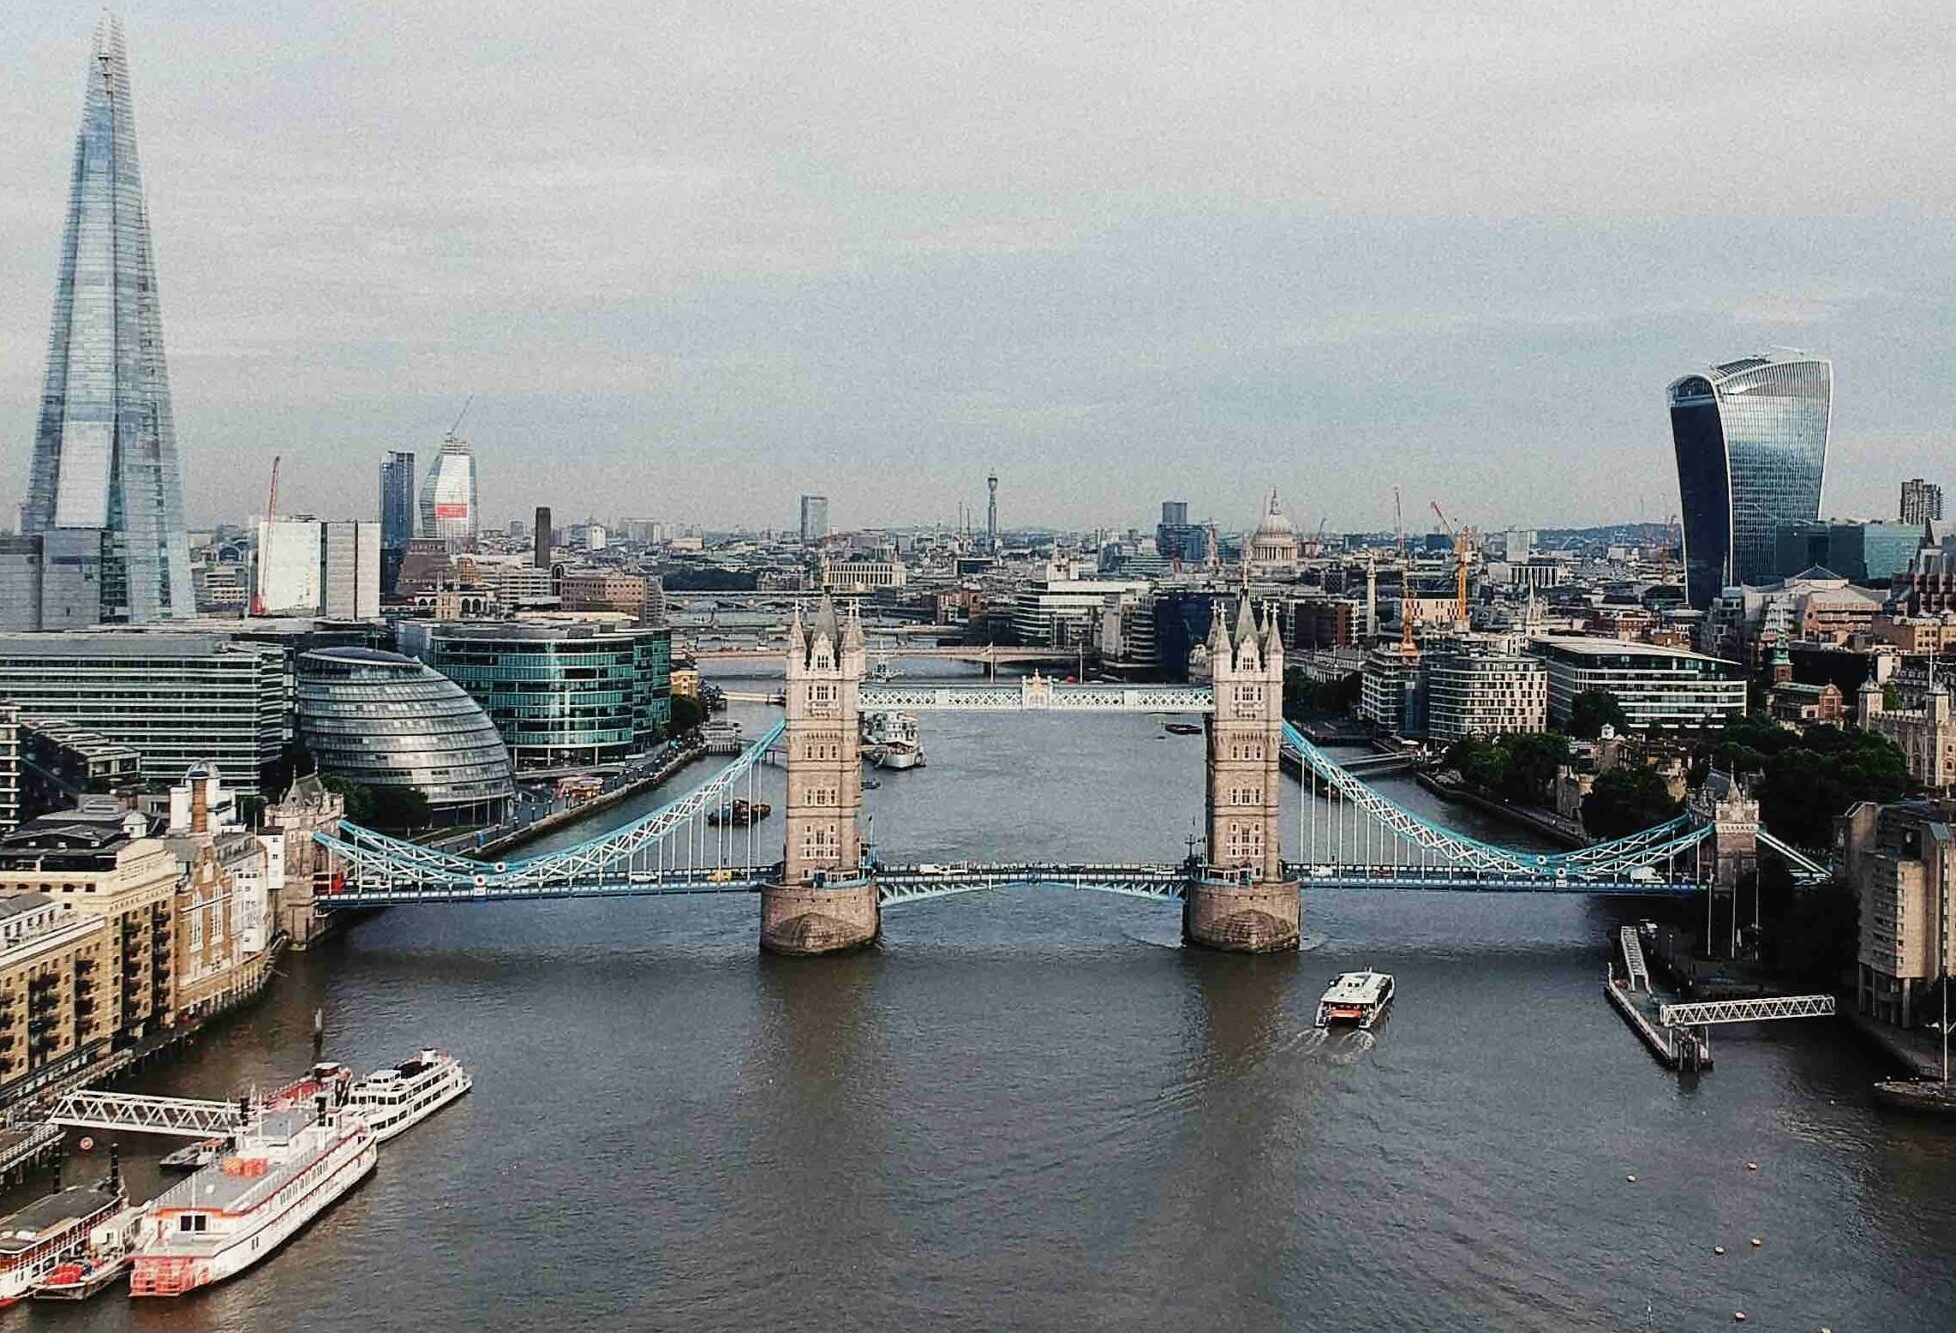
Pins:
<point x="1461" y="537"/>
<point x="271" y="519"/>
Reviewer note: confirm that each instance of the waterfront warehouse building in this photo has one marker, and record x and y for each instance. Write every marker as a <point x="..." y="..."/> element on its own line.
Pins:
<point x="401" y="728"/>
<point x="105" y="493"/>
<point x="1751" y="442"/>
<point x="177" y="699"/>
<point x="1657" y="687"/>
<point x="560" y="694"/>
<point x="1484" y="694"/>
<point x="52" y="970"/>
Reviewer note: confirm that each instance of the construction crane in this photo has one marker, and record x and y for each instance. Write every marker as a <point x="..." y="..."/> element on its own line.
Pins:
<point x="1399" y="522"/>
<point x="271" y="517"/>
<point x="1461" y="537"/>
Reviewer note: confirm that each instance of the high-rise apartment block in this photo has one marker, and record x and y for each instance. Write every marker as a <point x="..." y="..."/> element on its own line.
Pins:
<point x="1751" y="441"/>
<point x="814" y="518"/>
<point x="1921" y="502"/>
<point x="105" y="496"/>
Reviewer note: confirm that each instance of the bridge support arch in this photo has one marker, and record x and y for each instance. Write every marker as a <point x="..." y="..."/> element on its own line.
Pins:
<point x="824" y="900"/>
<point x="1240" y="900"/>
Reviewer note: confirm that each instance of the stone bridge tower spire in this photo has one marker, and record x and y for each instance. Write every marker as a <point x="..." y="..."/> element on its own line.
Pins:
<point x="824" y="900"/>
<point x="1241" y="900"/>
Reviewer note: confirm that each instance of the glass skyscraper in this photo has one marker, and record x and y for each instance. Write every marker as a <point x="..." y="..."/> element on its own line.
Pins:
<point x="396" y="500"/>
<point x="1751" y="440"/>
<point x="105" y="493"/>
<point x="448" y="496"/>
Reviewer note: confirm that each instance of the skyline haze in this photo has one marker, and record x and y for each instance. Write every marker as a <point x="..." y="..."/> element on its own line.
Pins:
<point x="876" y="253"/>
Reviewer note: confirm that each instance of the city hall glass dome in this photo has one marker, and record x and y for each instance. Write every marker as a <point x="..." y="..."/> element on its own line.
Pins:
<point x="390" y="723"/>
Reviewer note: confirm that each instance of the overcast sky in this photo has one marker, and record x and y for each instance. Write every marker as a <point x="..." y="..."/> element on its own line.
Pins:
<point x="695" y="257"/>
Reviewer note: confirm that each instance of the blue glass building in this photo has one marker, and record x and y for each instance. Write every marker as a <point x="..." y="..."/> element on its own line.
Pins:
<point x="1751" y="440"/>
<point x="105" y="479"/>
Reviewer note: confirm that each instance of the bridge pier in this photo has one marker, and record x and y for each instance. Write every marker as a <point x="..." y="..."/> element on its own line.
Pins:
<point x="806" y="919"/>
<point x="1262" y="917"/>
<point x="1241" y="902"/>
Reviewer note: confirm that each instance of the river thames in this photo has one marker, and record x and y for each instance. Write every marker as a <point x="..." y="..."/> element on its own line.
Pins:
<point x="1035" y="1110"/>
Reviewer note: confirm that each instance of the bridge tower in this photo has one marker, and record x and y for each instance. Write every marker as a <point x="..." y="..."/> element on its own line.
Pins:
<point x="825" y="900"/>
<point x="1729" y="859"/>
<point x="1240" y="901"/>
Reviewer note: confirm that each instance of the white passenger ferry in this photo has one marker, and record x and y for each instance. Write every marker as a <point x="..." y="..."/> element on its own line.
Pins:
<point x="286" y="1167"/>
<point x="1355" y="997"/>
<point x="397" y="1099"/>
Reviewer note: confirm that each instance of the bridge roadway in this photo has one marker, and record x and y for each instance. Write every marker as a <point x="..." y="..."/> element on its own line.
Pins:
<point x="912" y="883"/>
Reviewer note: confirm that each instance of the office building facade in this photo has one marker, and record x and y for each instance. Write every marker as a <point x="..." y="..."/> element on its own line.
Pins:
<point x="814" y="518"/>
<point x="558" y="694"/>
<point x="105" y="493"/>
<point x="544" y="536"/>
<point x="1483" y="694"/>
<point x="397" y="511"/>
<point x="177" y="699"/>
<point x="1657" y="687"/>
<point x="1751" y="444"/>
<point x="448" y="500"/>
<point x="1871" y="553"/>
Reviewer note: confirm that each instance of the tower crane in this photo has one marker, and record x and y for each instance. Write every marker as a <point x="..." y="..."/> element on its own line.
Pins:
<point x="1399" y="521"/>
<point x="1461" y="537"/>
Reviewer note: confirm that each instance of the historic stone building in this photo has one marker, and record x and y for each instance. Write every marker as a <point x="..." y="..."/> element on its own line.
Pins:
<point x="824" y="900"/>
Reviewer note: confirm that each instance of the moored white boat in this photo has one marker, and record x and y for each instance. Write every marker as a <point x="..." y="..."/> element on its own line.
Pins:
<point x="287" y="1166"/>
<point x="395" y="1100"/>
<point x="1357" y="998"/>
<point x="892" y="740"/>
<point x="52" y="1231"/>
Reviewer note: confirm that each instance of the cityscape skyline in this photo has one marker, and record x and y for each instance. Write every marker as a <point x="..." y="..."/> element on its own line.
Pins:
<point x="1209" y="337"/>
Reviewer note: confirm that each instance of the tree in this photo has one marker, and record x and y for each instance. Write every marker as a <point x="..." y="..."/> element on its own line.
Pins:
<point x="1480" y="763"/>
<point x="1624" y="800"/>
<point x="358" y="796"/>
<point x="1591" y="710"/>
<point x="1807" y="779"/>
<point x="1533" y="758"/>
<point x="686" y="714"/>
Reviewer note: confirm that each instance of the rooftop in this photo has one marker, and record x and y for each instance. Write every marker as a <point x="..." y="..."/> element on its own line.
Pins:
<point x="1577" y="645"/>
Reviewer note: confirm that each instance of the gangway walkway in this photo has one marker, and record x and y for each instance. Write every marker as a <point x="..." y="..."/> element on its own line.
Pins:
<point x="1703" y="1013"/>
<point x="138" y="1113"/>
<point x="1633" y="958"/>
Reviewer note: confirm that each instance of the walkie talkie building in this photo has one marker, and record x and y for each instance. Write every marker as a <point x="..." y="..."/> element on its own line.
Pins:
<point x="1751" y="440"/>
<point x="105" y="494"/>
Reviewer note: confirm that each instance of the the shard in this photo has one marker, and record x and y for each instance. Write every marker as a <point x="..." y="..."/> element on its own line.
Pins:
<point x="106" y="496"/>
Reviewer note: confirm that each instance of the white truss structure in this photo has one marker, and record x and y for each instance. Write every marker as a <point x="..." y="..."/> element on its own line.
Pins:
<point x="374" y="861"/>
<point x="1159" y="883"/>
<point x="134" y="1112"/>
<point x="1706" y="1012"/>
<point x="1037" y="694"/>
<point x="1633" y="957"/>
<point x="1607" y="860"/>
<point x="1805" y="869"/>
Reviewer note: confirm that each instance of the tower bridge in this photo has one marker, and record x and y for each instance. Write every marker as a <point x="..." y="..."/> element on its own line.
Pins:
<point x="822" y="888"/>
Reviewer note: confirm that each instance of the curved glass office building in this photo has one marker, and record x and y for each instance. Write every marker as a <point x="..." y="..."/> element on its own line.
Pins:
<point x="559" y="694"/>
<point x="1751" y="440"/>
<point x="390" y="723"/>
